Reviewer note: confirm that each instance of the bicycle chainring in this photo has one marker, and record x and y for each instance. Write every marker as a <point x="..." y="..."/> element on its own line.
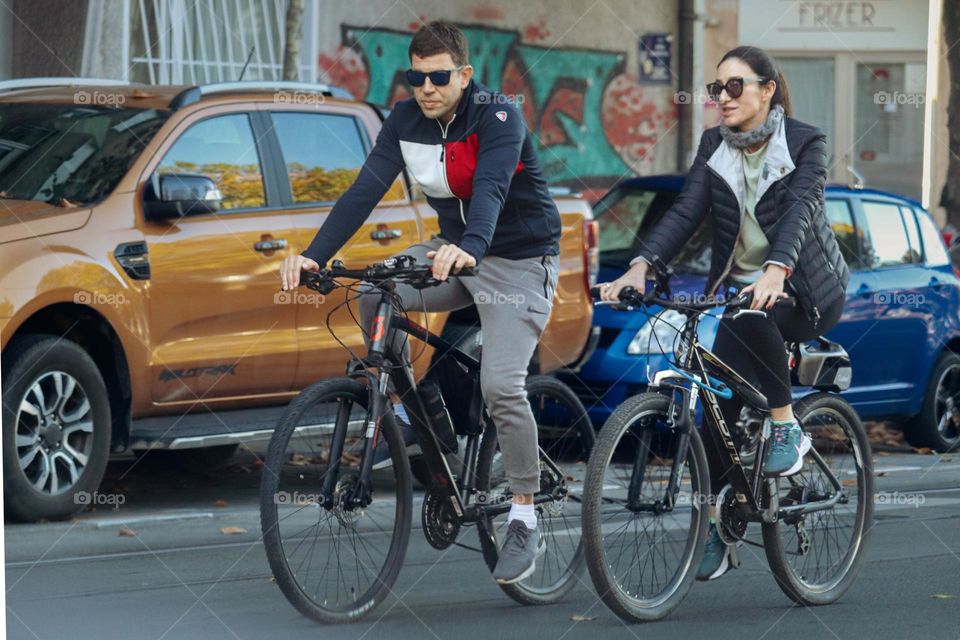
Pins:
<point x="440" y="524"/>
<point x="731" y="523"/>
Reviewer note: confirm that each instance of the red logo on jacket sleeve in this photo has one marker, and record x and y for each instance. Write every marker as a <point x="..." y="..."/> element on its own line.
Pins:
<point x="502" y="115"/>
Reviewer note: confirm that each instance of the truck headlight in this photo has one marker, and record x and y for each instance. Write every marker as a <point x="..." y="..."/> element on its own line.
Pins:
<point x="659" y="334"/>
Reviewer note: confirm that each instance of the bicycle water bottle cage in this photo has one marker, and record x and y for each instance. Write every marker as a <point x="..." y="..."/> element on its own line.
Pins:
<point x="716" y="387"/>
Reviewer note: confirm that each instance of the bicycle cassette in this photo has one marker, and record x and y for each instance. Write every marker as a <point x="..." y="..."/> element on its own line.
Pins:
<point x="440" y="524"/>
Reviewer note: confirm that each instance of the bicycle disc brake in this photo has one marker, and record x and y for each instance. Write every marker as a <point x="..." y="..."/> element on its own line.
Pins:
<point x="440" y="524"/>
<point x="731" y="523"/>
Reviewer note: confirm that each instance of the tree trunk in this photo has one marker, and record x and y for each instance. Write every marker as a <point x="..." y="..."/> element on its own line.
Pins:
<point x="950" y="197"/>
<point x="294" y="37"/>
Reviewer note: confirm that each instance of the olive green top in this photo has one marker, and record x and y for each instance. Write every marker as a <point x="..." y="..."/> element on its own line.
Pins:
<point x="752" y="245"/>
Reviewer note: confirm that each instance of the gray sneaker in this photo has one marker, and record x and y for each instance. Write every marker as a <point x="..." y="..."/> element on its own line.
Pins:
<point x="519" y="553"/>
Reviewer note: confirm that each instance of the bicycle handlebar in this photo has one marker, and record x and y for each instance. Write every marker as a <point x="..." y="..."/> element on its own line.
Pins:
<point x="631" y="296"/>
<point x="402" y="268"/>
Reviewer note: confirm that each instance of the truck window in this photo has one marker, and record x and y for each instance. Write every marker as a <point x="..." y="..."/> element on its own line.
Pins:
<point x="222" y="148"/>
<point x="323" y="153"/>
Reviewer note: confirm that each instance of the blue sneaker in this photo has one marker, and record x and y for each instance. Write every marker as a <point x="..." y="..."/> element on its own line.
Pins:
<point x="381" y="453"/>
<point x="718" y="557"/>
<point x="788" y="445"/>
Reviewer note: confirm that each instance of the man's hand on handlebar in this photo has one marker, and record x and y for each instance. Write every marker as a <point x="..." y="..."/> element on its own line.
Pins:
<point x="768" y="288"/>
<point x="635" y="277"/>
<point x="290" y="270"/>
<point x="449" y="259"/>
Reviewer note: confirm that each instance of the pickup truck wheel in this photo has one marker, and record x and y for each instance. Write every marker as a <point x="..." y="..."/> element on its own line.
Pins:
<point x="56" y="428"/>
<point x="937" y="426"/>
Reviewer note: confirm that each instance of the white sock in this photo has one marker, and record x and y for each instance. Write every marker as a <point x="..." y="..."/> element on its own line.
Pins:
<point x="525" y="513"/>
<point x="401" y="413"/>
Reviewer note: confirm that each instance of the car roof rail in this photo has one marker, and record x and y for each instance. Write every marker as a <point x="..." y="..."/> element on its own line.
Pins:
<point x="194" y="94"/>
<point x="37" y="83"/>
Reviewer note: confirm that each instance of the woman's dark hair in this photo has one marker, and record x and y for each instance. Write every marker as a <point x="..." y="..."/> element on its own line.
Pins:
<point x="766" y="68"/>
<point x="439" y="37"/>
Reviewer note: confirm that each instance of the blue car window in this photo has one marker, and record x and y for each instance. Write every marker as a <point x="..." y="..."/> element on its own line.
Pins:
<point x="933" y="249"/>
<point x="913" y="236"/>
<point x="887" y="244"/>
<point x="841" y="221"/>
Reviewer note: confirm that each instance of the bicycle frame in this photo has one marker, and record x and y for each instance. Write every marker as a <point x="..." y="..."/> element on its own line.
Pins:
<point x="712" y="377"/>
<point x="384" y="322"/>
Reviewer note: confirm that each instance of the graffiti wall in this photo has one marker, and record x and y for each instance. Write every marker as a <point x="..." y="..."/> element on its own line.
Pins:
<point x="593" y="120"/>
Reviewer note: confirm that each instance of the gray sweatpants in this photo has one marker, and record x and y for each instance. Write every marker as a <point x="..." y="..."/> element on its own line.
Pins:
<point x="513" y="298"/>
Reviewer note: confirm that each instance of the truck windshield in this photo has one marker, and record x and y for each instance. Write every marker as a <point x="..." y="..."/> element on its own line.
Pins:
<point x="70" y="154"/>
<point x="627" y="214"/>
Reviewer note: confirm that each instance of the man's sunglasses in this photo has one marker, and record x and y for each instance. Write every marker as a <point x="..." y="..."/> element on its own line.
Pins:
<point x="733" y="87"/>
<point x="437" y="78"/>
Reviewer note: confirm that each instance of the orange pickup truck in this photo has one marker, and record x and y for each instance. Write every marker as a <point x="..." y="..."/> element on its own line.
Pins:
<point x="139" y="311"/>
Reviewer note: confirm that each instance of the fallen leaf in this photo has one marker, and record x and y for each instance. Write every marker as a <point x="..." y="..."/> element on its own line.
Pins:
<point x="273" y="578"/>
<point x="232" y="531"/>
<point x="220" y="503"/>
<point x="848" y="482"/>
<point x="883" y="453"/>
<point x="923" y="450"/>
<point x="126" y="531"/>
<point x="943" y="596"/>
<point x="577" y="617"/>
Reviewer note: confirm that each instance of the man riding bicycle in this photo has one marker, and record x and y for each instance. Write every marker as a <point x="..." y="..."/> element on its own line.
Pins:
<point x="474" y="158"/>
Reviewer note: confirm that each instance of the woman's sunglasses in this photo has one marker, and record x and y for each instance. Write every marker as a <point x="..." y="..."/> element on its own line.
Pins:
<point x="437" y="78"/>
<point x="733" y="87"/>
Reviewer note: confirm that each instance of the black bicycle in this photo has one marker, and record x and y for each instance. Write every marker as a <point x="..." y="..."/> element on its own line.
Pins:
<point x="336" y="530"/>
<point x="646" y="513"/>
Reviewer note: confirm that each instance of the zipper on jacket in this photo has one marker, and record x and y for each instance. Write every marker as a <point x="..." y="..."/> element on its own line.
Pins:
<point x="443" y="166"/>
<point x="726" y="269"/>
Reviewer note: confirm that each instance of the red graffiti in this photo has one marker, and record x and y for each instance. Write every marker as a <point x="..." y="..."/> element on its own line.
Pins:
<point x="631" y="122"/>
<point x="345" y="69"/>
<point x="536" y="32"/>
<point x="566" y="101"/>
<point x="487" y="13"/>
<point x="515" y="83"/>
<point x="415" y="25"/>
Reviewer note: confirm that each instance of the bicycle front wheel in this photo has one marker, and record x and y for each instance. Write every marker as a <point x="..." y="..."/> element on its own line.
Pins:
<point x="334" y="564"/>
<point x="642" y="557"/>
<point x="816" y="556"/>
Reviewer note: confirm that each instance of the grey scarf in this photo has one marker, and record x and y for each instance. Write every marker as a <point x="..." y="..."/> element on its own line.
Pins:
<point x="744" y="139"/>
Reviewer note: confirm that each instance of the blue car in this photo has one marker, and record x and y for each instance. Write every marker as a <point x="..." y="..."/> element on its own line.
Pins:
<point x="900" y="326"/>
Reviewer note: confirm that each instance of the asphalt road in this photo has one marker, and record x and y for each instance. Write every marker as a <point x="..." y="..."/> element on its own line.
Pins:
<point x="178" y="576"/>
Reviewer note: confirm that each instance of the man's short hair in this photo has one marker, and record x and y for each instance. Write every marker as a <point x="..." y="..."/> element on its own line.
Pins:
<point x="440" y="37"/>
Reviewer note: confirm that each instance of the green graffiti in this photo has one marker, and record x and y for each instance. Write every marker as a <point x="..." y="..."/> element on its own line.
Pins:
<point x="586" y="153"/>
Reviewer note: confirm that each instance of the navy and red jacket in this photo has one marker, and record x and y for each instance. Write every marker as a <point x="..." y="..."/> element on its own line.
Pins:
<point x="479" y="172"/>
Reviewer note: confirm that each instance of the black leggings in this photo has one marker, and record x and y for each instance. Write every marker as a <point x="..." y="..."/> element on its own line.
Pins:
<point x="753" y="347"/>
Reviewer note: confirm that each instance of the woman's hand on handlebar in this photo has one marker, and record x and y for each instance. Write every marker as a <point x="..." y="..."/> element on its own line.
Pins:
<point x="290" y="270"/>
<point x="768" y="288"/>
<point x="449" y="259"/>
<point x="635" y="277"/>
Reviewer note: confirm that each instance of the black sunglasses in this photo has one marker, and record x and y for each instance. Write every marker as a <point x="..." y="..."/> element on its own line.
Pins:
<point x="437" y="78"/>
<point x="733" y="87"/>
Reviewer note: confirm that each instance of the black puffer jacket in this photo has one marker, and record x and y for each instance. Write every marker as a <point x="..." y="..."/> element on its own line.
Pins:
<point x="790" y="212"/>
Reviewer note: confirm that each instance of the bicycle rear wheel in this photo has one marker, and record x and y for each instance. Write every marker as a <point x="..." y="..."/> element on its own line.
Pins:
<point x="642" y="559"/>
<point x="565" y="436"/>
<point x="815" y="557"/>
<point x="333" y="564"/>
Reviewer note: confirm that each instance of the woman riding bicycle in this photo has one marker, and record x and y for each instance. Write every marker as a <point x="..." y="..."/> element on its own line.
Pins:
<point x="761" y="175"/>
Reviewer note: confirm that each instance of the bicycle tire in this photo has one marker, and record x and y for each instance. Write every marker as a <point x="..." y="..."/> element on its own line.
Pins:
<point x="602" y="572"/>
<point x="489" y="477"/>
<point x="790" y="580"/>
<point x="355" y="609"/>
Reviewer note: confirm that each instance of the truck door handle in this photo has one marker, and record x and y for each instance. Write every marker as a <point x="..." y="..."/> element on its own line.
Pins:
<point x="386" y="234"/>
<point x="270" y="245"/>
